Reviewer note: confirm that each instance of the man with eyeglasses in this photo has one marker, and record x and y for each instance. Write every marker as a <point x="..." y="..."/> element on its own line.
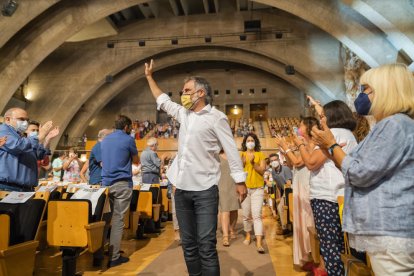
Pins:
<point x="19" y="154"/>
<point x="204" y="131"/>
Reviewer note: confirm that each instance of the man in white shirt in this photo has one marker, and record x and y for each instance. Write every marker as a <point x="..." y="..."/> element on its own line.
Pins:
<point x="204" y="130"/>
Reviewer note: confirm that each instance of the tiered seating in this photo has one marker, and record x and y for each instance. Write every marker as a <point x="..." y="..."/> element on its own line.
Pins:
<point x="19" y="227"/>
<point x="282" y="126"/>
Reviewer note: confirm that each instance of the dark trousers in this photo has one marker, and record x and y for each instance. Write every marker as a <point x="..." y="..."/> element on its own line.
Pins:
<point x="197" y="217"/>
<point x="150" y="178"/>
<point x="330" y="234"/>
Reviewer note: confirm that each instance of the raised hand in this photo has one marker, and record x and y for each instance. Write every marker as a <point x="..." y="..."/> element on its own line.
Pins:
<point x="53" y="133"/>
<point x="281" y="142"/>
<point x="3" y="141"/>
<point x="148" y="68"/>
<point x="44" y="130"/>
<point x="324" y="138"/>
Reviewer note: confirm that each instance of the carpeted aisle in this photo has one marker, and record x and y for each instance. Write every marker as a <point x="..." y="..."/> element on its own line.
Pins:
<point x="238" y="259"/>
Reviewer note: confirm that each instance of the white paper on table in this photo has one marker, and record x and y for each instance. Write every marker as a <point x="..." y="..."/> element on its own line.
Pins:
<point x="91" y="194"/>
<point x="49" y="188"/>
<point x="145" y="187"/>
<point x="17" y="197"/>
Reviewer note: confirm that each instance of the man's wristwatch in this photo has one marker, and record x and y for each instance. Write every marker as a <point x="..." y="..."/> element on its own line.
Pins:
<point x="331" y="148"/>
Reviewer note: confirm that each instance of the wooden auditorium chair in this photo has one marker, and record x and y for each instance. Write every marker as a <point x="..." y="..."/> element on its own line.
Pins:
<point x="19" y="227"/>
<point x="73" y="227"/>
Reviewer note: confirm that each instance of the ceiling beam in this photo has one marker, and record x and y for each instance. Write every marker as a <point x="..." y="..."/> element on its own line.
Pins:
<point x="206" y="6"/>
<point x="216" y="5"/>
<point x="186" y="7"/>
<point x="174" y="7"/>
<point x="154" y="6"/>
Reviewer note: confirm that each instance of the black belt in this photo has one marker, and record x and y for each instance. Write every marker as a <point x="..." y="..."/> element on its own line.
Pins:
<point x="15" y="185"/>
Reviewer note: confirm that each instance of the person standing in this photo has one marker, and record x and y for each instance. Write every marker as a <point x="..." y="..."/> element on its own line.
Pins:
<point x="95" y="159"/>
<point x="204" y="131"/>
<point x="150" y="163"/>
<point x="19" y="154"/>
<point x="255" y="166"/>
<point x="228" y="202"/>
<point x="118" y="151"/>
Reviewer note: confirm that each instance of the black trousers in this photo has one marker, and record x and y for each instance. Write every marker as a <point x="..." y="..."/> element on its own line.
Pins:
<point x="197" y="217"/>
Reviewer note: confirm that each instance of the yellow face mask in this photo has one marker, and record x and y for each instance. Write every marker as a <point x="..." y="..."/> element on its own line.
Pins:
<point x="186" y="101"/>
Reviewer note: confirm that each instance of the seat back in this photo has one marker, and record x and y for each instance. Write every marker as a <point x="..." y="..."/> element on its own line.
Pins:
<point x="66" y="222"/>
<point x="27" y="218"/>
<point x="5" y="224"/>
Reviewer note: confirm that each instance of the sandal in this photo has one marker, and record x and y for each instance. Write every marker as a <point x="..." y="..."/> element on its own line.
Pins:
<point x="226" y="242"/>
<point x="233" y="236"/>
<point x="260" y="249"/>
<point x="246" y="242"/>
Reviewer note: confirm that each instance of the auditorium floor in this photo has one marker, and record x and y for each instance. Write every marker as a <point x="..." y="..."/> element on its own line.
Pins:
<point x="237" y="259"/>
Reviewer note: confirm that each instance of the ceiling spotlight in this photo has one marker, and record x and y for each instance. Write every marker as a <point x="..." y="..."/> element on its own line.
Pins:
<point x="110" y="44"/>
<point x="243" y="37"/>
<point x="109" y="79"/>
<point x="174" y="41"/>
<point x="9" y="8"/>
<point x="279" y="35"/>
<point x="207" y="39"/>
<point x="290" y="69"/>
<point x="141" y="43"/>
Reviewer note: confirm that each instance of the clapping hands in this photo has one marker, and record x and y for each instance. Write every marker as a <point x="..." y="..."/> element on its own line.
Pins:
<point x="3" y="141"/>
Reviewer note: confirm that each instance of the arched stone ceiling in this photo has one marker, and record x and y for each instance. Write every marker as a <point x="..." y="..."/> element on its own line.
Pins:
<point x="21" y="55"/>
<point x="335" y="18"/>
<point x="396" y="21"/>
<point x="23" y="15"/>
<point x="108" y="91"/>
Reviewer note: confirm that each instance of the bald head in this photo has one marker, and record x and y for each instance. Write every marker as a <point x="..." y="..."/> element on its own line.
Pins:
<point x="103" y="132"/>
<point x="13" y="115"/>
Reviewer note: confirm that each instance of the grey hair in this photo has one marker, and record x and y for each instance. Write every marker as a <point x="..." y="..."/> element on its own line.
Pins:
<point x="151" y="141"/>
<point x="103" y="132"/>
<point x="201" y="83"/>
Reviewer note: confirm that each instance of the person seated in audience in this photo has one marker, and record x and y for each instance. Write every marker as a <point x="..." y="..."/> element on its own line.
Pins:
<point x="282" y="177"/>
<point x="72" y="167"/>
<point x="19" y="154"/>
<point x="228" y="201"/>
<point x="118" y="151"/>
<point x="57" y="166"/>
<point x="327" y="182"/>
<point x="254" y="164"/>
<point x="379" y="204"/>
<point x="136" y="174"/>
<point x="44" y="164"/>
<point x="302" y="211"/>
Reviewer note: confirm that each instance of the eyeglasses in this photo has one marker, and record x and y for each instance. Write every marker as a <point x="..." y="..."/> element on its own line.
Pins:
<point x="363" y="87"/>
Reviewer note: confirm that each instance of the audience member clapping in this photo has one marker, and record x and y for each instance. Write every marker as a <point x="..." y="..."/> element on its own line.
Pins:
<point x="379" y="203"/>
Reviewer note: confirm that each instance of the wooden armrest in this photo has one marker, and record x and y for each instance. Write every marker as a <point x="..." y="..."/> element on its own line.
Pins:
<point x="94" y="232"/>
<point x="94" y="225"/>
<point x="19" y="248"/>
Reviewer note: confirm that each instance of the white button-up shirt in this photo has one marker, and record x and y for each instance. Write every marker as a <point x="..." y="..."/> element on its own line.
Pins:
<point x="201" y="137"/>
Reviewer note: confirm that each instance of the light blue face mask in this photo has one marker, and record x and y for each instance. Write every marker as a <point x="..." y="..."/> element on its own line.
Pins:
<point x="34" y="134"/>
<point x="21" y="126"/>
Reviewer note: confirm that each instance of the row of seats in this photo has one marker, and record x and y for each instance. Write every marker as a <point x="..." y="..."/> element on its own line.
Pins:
<point x="57" y="219"/>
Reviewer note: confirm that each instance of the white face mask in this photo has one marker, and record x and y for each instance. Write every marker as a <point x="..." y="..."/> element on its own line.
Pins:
<point x="21" y="126"/>
<point x="250" y="145"/>
<point x="275" y="164"/>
